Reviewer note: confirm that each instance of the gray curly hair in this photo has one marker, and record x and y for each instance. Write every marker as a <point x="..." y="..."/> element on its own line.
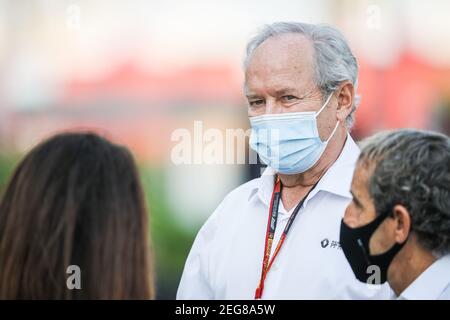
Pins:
<point x="412" y="168"/>
<point x="334" y="61"/>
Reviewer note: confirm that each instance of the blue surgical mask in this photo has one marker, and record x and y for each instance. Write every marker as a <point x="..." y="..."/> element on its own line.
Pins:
<point x="289" y="142"/>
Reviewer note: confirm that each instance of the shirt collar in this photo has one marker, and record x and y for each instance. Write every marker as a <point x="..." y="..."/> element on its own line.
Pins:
<point x="431" y="283"/>
<point x="336" y="180"/>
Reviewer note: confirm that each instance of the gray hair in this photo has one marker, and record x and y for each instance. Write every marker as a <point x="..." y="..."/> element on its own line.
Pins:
<point x="334" y="61"/>
<point x="412" y="168"/>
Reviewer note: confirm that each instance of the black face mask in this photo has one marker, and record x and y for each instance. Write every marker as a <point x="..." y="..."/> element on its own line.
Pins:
<point x="355" y="244"/>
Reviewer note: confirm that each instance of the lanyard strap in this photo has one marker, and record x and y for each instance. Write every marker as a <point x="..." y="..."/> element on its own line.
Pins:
<point x="271" y="226"/>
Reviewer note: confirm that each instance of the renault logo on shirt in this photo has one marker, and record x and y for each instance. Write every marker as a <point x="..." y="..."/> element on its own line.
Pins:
<point x="331" y="244"/>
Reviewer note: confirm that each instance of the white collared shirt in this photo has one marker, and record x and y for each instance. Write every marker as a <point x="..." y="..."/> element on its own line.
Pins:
<point x="432" y="284"/>
<point x="226" y="257"/>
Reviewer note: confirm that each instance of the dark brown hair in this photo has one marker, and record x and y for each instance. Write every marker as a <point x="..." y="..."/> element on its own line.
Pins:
<point x="75" y="199"/>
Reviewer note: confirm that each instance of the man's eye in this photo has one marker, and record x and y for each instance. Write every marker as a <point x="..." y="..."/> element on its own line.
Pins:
<point x="256" y="103"/>
<point x="288" y="98"/>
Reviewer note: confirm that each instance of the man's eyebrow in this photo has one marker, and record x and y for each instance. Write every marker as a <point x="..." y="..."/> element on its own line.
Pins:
<point x="285" y="91"/>
<point x="252" y="96"/>
<point x="278" y="92"/>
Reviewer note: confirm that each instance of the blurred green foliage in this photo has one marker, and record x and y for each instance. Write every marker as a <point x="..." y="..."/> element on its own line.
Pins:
<point x="171" y="242"/>
<point x="7" y="164"/>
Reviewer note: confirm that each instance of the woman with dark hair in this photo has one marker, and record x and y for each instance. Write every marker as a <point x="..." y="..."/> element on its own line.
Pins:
<point x="75" y="200"/>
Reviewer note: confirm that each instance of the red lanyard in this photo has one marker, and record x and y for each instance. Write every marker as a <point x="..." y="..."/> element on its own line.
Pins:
<point x="271" y="226"/>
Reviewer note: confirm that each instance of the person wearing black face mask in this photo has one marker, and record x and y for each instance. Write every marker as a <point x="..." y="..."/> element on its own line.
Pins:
<point x="397" y="227"/>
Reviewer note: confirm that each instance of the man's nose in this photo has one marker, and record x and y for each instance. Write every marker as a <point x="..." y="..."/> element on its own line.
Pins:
<point x="272" y="106"/>
<point x="349" y="217"/>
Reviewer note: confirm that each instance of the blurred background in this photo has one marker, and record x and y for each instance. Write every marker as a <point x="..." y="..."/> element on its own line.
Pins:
<point x="136" y="71"/>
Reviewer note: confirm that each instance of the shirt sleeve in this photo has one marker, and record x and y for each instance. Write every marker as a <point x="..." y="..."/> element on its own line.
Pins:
<point x="195" y="283"/>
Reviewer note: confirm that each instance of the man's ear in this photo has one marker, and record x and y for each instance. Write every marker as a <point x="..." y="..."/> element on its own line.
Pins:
<point x="403" y="223"/>
<point x="345" y="97"/>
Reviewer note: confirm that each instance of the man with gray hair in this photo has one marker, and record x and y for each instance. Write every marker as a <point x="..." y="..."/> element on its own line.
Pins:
<point x="397" y="228"/>
<point x="276" y="237"/>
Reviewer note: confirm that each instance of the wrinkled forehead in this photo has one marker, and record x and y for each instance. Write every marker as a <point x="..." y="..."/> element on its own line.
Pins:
<point x="288" y="56"/>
